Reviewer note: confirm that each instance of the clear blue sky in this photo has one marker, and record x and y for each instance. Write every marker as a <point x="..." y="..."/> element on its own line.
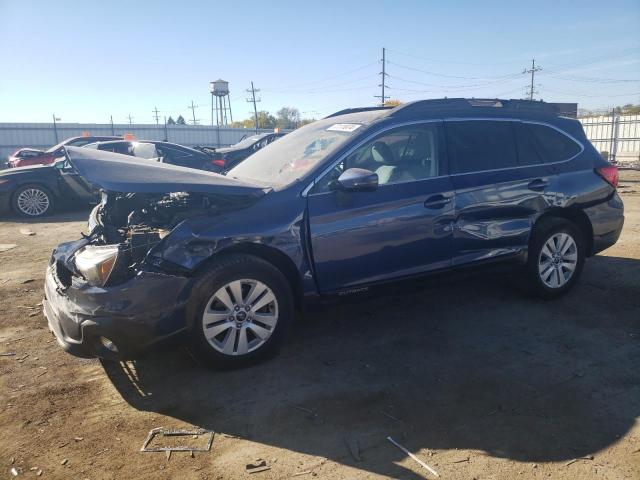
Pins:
<point x="86" y="60"/>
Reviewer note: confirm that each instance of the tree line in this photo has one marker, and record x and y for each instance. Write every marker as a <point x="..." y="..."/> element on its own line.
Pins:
<point x="285" y="118"/>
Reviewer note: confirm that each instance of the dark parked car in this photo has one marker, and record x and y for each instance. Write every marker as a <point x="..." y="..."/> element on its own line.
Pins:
<point x="29" y="156"/>
<point x="164" y="152"/>
<point x="337" y="207"/>
<point x="226" y="158"/>
<point x="35" y="191"/>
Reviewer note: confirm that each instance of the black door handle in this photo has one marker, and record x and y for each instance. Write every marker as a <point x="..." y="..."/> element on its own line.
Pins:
<point x="437" y="201"/>
<point x="538" y="184"/>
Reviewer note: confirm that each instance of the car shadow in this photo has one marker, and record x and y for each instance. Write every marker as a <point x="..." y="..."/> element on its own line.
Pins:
<point x="467" y="363"/>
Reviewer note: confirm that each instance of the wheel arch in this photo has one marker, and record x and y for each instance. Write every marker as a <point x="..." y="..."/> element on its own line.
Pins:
<point x="271" y="255"/>
<point x="52" y="189"/>
<point x="577" y="217"/>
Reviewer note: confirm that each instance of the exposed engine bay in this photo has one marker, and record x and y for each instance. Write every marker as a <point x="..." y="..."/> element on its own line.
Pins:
<point x="130" y="225"/>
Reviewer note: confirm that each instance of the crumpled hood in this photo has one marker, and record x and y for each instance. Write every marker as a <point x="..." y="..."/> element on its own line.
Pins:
<point x="125" y="174"/>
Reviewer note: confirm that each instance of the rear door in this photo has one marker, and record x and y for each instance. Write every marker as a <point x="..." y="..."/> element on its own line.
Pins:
<point x="501" y="184"/>
<point x="400" y="229"/>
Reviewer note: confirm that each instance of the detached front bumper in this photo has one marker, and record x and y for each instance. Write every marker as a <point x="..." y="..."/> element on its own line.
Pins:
<point x="89" y="321"/>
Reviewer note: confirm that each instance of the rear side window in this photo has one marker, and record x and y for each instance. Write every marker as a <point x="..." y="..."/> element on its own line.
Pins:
<point x="528" y="151"/>
<point x="145" y="150"/>
<point x="477" y="145"/>
<point x="552" y="145"/>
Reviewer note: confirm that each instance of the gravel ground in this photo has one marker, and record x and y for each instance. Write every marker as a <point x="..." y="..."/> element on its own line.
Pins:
<point x="491" y="385"/>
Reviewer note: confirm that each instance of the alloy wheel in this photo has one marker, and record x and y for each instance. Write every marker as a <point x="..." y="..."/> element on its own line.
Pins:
<point x="557" y="260"/>
<point x="240" y="317"/>
<point x="33" y="202"/>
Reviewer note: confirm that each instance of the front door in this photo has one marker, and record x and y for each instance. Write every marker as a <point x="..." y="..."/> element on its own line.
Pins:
<point x="400" y="229"/>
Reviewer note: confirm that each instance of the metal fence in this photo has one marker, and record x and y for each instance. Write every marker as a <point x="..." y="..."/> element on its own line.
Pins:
<point x="616" y="137"/>
<point x="45" y="135"/>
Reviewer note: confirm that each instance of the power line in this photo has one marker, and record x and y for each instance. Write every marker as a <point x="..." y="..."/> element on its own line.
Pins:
<point x="156" y="116"/>
<point x="532" y="71"/>
<point x="384" y="75"/>
<point x="325" y="87"/>
<point x="579" y="94"/>
<point x="453" y="76"/>
<point x="455" y="87"/>
<point x="451" y="61"/>
<point x="315" y="82"/>
<point x="577" y="78"/>
<point x="254" y="101"/>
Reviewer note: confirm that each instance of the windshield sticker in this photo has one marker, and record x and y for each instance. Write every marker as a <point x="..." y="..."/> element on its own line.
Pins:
<point x="344" y="127"/>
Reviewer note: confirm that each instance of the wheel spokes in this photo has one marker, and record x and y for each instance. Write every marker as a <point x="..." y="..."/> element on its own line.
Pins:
<point x="268" y="319"/>
<point x="236" y="291"/>
<point x="243" y="345"/>
<point x="557" y="260"/>
<point x="215" y="330"/>
<point x="223" y="297"/>
<point x="229" y="342"/>
<point x="265" y="300"/>
<point x="214" y="317"/>
<point x="240" y="317"/>
<point x="260" y="332"/>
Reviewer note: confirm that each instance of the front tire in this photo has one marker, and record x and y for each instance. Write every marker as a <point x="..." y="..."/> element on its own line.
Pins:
<point x="239" y="312"/>
<point x="32" y="201"/>
<point x="556" y="257"/>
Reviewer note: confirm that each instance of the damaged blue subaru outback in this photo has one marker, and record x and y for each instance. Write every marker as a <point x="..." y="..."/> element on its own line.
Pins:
<point x="359" y="199"/>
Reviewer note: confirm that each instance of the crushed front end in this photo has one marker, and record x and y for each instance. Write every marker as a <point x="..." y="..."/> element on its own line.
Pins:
<point x="105" y="295"/>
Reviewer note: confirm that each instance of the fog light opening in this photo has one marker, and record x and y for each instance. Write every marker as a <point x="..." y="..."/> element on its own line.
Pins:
<point x="108" y="344"/>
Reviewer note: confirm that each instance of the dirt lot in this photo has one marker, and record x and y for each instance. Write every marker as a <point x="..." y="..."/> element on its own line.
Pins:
<point x="487" y="385"/>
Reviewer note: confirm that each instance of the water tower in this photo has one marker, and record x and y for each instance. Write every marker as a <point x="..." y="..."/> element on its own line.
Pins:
<point x="220" y="92"/>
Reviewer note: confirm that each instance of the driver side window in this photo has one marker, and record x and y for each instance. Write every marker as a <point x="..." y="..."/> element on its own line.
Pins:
<point x="403" y="154"/>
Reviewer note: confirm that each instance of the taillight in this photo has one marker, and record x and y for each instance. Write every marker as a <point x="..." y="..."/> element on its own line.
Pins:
<point x="218" y="162"/>
<point x="610" y="175"/>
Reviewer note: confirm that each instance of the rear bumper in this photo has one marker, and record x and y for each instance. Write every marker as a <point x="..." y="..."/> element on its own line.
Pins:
<point x="607" y="220"/>
<point x="133" y="316"/>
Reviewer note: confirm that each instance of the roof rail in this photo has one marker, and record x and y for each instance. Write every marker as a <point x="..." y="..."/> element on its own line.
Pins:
<point x="356" y="110"/>
<point x="531" y="106"/>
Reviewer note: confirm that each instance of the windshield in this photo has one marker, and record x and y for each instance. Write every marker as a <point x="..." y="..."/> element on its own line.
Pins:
<point x="295" y="154"/>
<point x="247" y="142"/>
<point x="56" y="147"/>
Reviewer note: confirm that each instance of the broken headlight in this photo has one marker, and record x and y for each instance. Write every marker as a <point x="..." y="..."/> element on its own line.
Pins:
<point x="95" y="263"/>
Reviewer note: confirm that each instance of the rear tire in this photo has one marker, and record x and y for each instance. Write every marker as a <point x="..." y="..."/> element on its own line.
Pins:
<point x="556" y="257"/>
<point x="239" y="312"/>
<point x="32" y="201"/>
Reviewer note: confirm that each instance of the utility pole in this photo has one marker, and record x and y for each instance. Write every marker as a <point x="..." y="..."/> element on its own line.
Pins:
<point x="55" y="127"/>
<point x="193" y="111"/>
<point x="156" y="116"/>
<point x="166" y="134"/>
<point x="253" y="100"/>
<point x="113" y="131"/>
<point x="130" y="119"/>
<point x="532" y="71"/>
<point x="384" y="74"/>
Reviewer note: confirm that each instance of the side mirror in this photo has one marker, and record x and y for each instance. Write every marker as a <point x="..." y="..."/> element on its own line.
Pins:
<point x="357" y="180"/>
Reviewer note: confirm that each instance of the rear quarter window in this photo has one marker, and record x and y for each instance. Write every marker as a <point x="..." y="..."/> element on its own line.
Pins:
<point x="552" y="145"/>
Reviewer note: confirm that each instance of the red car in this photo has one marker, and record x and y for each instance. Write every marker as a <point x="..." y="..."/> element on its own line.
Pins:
<point x="30" y="156"/>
